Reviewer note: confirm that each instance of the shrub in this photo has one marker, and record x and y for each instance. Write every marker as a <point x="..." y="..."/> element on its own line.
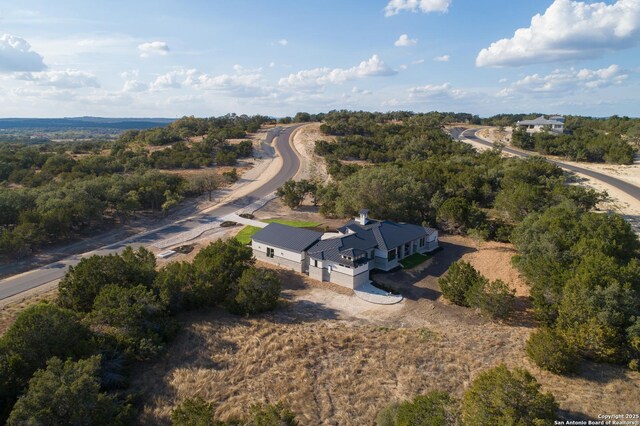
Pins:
<point x="271" y="415"/>
<point x="82" y="283"/>
<point x="66" y="393"/>
<point x="387" y="416"/>
<point x="434" y="409"/>
<point x="550" y="351"/>
<point x="194" y="412"/>
<point x="135" y="317"/>
<point x="500" y="396"/>
<point x="460" y="278"/>
<point x="494" y="298"/>
<point x="257" y="291"/>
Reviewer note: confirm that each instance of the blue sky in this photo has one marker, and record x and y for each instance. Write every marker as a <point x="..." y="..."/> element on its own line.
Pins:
<point x="169" y="58"/>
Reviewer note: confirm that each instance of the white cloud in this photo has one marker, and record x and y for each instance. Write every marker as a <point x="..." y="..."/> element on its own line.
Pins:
<point x="568" y="30"/>
<point x="443" y="58"/>
<point x="272" y="64"/>
<point x="61" y="79"/>
<point x="372" y="67"/>
<point x="444" y="90"/>
<point x="16" y="55"/>
<point x="426" y="6"/>
<point x="134" y="86"/>
<point x="243" y="83"/>
<point x="170" y="80"/>
<point x="153" y="48"/>
<point x="283" y="42"/>
<point x="562" y="81"/>
<point x="356" y="91"/>
<point x="405" y="41"/>
<point x="418" y="61"/>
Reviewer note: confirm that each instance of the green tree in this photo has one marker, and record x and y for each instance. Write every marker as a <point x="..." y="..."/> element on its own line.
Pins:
<point x="460" y="279"/>
<point x="433" y="409"/>
<point x="500" y="396"/>
<point x="82" y="283"/>
<point x="258" y="290"/>
<point x="208" y="183"/>
<point x="175" y="284"/>
<point x="194" y="412"/>
<point x="494" y="298"/>
<point x="135" y="317"/>
<point x="39" y="332"/>
<point x="66" y="393"/>
<point x="456" y="214"/>
<point x="218" y="267"/>
<point x="550" y="351"/>
<point x="292" y="194"/>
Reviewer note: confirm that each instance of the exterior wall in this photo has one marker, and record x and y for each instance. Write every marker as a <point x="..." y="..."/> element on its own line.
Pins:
<point x="317" y="273"/>
<point x="282" y="253"/>
<point x="279" y="261"/>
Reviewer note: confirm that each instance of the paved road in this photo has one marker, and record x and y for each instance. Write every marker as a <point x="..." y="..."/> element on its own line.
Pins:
<point x="630" y="189"/>
<point x="40" y="276"/>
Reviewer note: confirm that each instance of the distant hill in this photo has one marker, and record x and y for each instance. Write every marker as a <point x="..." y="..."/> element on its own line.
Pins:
<point x="77" y="123"/>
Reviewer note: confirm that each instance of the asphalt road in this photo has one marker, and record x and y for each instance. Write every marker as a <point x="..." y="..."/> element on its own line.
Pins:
<point x="290" y="163"/>
<point x="630" y="189"/>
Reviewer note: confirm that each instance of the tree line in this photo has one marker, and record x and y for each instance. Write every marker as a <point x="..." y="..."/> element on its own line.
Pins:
<point x="69" y="361"/>
<point x="55" y="192"/>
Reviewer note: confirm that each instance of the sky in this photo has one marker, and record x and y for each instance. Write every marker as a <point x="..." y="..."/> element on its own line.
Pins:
<point x="162" y="58"/>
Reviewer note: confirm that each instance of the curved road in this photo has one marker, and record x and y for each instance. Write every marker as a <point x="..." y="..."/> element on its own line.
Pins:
<point x="290" y="163"/>
<point x="630" y="189"/>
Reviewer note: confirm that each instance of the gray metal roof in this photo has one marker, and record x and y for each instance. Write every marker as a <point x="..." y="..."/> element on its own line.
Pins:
<point x="286" y="237"/>
<point x="389" y="235"/>
<point x="385" y="235"/>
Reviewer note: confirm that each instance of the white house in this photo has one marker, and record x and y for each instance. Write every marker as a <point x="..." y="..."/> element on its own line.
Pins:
<point x="345" y="258"/>
<point x="555" y="124"/>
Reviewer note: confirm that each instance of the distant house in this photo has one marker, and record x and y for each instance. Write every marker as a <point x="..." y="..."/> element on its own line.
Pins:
<point x="346" y="257"/>
<point x="554" y="124"/>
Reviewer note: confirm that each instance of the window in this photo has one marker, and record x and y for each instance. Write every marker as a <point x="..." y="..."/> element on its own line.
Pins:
<point x="269" y="252"/>
<point x="315" y="262"/>
<point x="422" y="242"/>
<point x="391" y="254"/>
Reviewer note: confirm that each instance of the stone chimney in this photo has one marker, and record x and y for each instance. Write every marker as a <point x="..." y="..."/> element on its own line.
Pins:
<point x="364" y="216"/>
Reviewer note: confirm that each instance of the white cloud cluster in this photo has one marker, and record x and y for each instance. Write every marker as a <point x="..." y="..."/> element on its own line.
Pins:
<point x="405" y="41"/>
<point x="438" y="91"/>
<point x="426" y="6"/>
<point x="373" y="66"/>
<point x="568" y="30"/>
<point x="283" y="42"/>
<point x="153" y="48"/>
<point x="569" y="80"/>
<point x="243" y="83"/>
<point x="61" y="79"/>
<point x="16" y="55"/>
<point x="443" y="58"/>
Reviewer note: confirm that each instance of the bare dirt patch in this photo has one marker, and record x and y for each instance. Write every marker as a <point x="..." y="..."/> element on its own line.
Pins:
<point x="312" y="166"/>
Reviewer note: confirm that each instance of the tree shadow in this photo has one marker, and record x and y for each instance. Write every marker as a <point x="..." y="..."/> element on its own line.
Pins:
<point x="421" y="282"/>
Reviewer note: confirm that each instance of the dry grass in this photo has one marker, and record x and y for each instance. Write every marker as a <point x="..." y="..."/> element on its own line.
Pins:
<point x="327" y="372"/>
<point x="333" y="371"/>
<point x="9" y="312"/>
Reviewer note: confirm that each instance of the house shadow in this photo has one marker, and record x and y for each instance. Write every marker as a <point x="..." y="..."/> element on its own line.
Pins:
<point x="421" y="282"/>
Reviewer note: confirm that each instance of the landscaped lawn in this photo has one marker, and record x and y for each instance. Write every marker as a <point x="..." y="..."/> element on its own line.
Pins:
<point x="245" y="234"/>
<point x="414" y="260"/>
<point x="296" y="223"/>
